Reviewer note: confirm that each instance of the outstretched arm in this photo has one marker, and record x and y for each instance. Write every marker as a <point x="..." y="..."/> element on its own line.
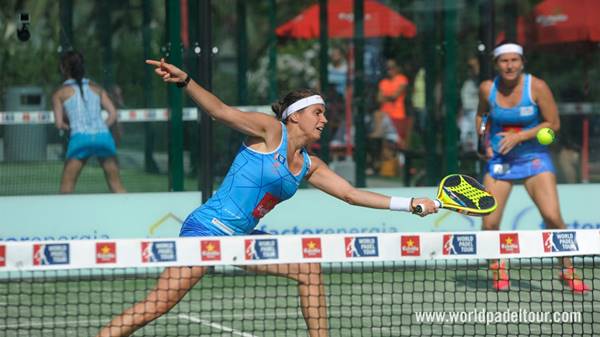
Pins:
<point x="250" y="123"/>
<point x="323" y="178"/>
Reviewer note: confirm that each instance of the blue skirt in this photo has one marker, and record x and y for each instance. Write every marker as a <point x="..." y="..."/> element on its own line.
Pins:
<point x="83" y="145"/>
<point x="520" y="167"/>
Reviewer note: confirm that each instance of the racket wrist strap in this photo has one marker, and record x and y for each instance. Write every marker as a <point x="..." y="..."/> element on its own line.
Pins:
<point x="401" y="204"/>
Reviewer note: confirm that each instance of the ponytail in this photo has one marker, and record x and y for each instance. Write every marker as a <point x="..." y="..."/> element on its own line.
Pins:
<point x="72" y="63"/>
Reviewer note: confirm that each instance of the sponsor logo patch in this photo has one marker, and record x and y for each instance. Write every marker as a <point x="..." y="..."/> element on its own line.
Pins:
<point x="361" y="246"/>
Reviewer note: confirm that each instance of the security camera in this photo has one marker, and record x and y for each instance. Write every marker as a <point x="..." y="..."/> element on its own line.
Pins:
<point x="23" y="27"/>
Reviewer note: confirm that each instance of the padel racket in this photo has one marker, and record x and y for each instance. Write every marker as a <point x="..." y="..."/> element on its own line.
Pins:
<point x="463" y="194"/>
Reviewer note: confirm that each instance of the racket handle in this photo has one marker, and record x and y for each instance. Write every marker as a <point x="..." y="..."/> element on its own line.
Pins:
<point x="481" y="140"/>
<point x="420" y="208"/>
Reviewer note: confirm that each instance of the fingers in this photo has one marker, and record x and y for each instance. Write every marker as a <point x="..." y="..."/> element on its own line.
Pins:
<point x="168" y="72"/>
<point x="507" y="144"/>
<point x="160" y="65"/>
<point x="165" y="75"/>
<point x="153" y="62"/>
<point x="426" y="206"/>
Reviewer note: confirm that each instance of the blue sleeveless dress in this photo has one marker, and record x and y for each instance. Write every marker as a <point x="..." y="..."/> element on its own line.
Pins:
<point x="527" y="159"/>
<point x="255" y="183"/>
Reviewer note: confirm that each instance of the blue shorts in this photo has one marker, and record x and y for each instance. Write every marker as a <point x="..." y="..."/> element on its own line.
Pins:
<point x="521" y="167"/>
<point x="83" y="145"/>
<point x="192" y="227"/>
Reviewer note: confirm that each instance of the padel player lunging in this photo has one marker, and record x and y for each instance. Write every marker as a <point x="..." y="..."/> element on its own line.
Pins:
<point x="518" y="105"/>
<point x="267" y="170"/>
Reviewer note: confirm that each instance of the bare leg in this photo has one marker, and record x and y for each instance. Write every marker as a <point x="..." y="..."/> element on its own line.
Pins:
<point x="542" y="190"/>
<point x="500" y="189"/>
<point x="111" y="173"/>
<point x="172" y="285"/>
<point x="311" y="289"/>
<point x="71" y="172"/>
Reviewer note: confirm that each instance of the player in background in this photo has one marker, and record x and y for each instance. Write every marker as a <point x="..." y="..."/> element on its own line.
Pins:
<point x="518" y="105"/>
<point x="77" y="109"/>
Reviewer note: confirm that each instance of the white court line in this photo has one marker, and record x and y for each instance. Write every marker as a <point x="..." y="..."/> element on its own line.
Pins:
<point x="216" y="326"/>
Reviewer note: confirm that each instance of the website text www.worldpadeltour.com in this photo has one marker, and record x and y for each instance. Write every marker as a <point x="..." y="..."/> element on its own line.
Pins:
<point x="483" y="316"/>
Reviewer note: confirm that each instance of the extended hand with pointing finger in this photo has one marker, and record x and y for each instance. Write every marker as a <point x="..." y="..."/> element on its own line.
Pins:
<point x="168" y="72"/>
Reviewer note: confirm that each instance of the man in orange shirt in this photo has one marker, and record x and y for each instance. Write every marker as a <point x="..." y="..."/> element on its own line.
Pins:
<point x="391" y="95"/>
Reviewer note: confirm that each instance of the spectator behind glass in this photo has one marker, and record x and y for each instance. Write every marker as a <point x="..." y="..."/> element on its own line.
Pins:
<point x="382" y="142"/>
<point x="337" y="76"/>
<point x="337" y="70"/>
<point x="391" y="95"/>
<point x="469" y="95"/>
<point x="418" y="99"/>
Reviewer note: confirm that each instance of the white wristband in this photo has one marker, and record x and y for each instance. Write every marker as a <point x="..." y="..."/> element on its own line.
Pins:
<point x="401" y="204"/>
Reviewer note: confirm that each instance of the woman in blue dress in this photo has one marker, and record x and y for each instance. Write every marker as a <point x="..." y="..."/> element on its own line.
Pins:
<point x="266" y="171"/>
<point x="518" y="105"/>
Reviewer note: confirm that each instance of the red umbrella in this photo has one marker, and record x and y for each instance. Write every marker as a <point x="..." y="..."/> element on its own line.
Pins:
<point x="555" y="22"/>
<point x="380" y="20"/>
<point x="560" y="21"/>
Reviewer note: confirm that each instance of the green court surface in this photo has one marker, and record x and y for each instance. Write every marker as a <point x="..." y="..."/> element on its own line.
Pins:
<point x="44" y="178"/>
<point x="362" y="301"/>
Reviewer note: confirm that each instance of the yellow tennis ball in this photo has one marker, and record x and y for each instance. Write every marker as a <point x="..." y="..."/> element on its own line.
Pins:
<point x="545" y="136"/>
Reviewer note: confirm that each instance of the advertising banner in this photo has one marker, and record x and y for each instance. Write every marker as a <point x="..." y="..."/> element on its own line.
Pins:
<point x="155" y="215"/>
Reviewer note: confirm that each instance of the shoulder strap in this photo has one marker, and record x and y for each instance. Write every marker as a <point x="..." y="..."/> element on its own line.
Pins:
<point x="527" y="97"/>
<point x="493" y="91"/>
<point x="283" y="143"/>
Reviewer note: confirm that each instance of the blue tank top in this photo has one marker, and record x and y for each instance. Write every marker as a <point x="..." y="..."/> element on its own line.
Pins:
<point x="523" y="116"/>
<point x="255" y="183"/>
<point x="85" y="114"/>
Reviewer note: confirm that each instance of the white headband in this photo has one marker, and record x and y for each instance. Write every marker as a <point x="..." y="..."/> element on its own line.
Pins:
<point x="508" y="48"/>
<point x="301" y="104"/>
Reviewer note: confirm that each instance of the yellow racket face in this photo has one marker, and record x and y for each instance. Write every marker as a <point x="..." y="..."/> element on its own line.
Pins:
<point x="465" y="195"/>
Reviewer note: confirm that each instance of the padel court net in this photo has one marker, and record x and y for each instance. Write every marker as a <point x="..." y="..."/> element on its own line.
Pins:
<point x="400" y="284"/>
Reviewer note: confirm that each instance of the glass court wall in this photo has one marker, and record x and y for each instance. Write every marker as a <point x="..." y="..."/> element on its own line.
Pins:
<point x="252" y="52"/>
